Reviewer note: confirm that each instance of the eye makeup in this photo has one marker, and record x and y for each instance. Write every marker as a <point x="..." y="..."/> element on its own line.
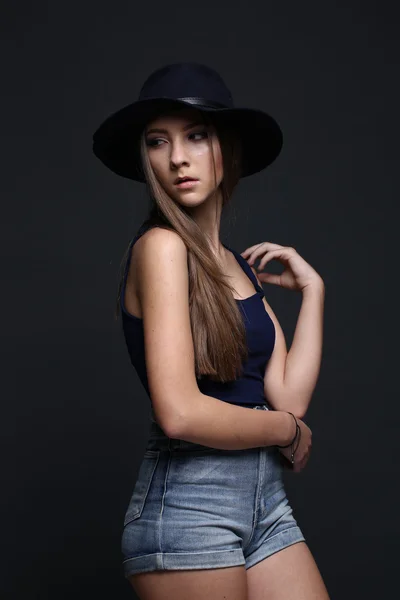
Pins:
<point x="152" y="142"/>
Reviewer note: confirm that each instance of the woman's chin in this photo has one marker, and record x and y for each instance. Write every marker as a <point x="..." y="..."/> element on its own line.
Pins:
<point x="190" y="200"/>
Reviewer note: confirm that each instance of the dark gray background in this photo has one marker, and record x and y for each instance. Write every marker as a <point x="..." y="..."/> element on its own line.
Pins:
<point x="75" y="418"/>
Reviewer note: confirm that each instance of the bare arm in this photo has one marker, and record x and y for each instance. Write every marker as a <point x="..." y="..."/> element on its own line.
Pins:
<point x="304" y="357"/>
<point x="217" y="424"/>
<point x="290" y="377"/>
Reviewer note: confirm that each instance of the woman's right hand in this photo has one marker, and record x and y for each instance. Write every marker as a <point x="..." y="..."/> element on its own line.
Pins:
<point x="302" y="453"/>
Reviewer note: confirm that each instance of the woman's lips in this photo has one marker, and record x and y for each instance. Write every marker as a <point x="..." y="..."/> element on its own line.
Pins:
<point x="189" y="183"/>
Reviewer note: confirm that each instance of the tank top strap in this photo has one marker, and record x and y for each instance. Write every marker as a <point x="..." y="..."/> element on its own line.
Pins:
<point x="247" y="269"/>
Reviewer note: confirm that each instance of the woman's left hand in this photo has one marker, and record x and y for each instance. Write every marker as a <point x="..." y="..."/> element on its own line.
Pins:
<point x="297" y="275"/>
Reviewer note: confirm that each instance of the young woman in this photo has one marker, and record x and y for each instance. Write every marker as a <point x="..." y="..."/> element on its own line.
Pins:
<point x="209" y="516"/>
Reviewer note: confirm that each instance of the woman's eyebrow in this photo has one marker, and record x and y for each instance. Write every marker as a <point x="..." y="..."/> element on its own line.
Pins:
<point x="158" y="130"/>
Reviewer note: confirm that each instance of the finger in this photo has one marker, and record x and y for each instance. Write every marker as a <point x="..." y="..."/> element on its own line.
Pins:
<point x="305" y="461"/>
<point x="302" y="463"/>
<point x="280" y="254"/>
<point x="269" y="278"/>
<point x="258" y="249"/>
<point x="254" y="252"/>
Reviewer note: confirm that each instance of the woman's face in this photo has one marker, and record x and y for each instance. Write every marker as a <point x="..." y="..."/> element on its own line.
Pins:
<point x="178" y="146"/>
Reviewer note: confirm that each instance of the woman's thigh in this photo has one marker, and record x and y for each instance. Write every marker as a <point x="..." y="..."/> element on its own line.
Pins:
<point x="213" y="584"/>
<point x="290" y="574"/>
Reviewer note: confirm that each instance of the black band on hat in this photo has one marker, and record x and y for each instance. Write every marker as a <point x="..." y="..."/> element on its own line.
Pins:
<point x="202" y="102"/>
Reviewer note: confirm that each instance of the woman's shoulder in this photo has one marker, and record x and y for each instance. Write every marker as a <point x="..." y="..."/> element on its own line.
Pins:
<point x="157" y="241"/>
<point x="159" y="234"/>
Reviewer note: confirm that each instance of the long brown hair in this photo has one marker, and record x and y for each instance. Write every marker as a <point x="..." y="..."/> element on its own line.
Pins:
<point x="218" y="330"/>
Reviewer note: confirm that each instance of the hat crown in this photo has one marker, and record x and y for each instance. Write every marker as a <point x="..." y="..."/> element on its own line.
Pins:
<point x="186" y="80"/>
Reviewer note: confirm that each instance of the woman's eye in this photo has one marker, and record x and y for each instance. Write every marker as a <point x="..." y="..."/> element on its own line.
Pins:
<point x="203" y="134"/>
<point x="156" y="142"/>
<point x="153" y="142"/>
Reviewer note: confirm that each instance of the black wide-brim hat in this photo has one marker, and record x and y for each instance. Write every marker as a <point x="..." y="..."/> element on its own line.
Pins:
<point x="117" y="141"/>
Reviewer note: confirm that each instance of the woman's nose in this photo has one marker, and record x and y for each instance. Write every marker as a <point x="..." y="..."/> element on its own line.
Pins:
<point x="178" y="154"/>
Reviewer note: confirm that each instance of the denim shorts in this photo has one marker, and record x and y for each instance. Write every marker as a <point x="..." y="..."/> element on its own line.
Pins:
<point x="195" y="507"/>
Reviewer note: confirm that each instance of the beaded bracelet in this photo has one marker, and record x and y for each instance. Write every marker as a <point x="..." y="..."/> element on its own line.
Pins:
<point x="298" y="431"/>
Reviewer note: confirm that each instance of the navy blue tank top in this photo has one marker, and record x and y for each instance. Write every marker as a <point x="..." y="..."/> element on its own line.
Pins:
<point x="246" y="390"/>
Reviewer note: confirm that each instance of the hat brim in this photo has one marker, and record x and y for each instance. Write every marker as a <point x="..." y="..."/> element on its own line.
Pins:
<point x="117" y="141"/>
